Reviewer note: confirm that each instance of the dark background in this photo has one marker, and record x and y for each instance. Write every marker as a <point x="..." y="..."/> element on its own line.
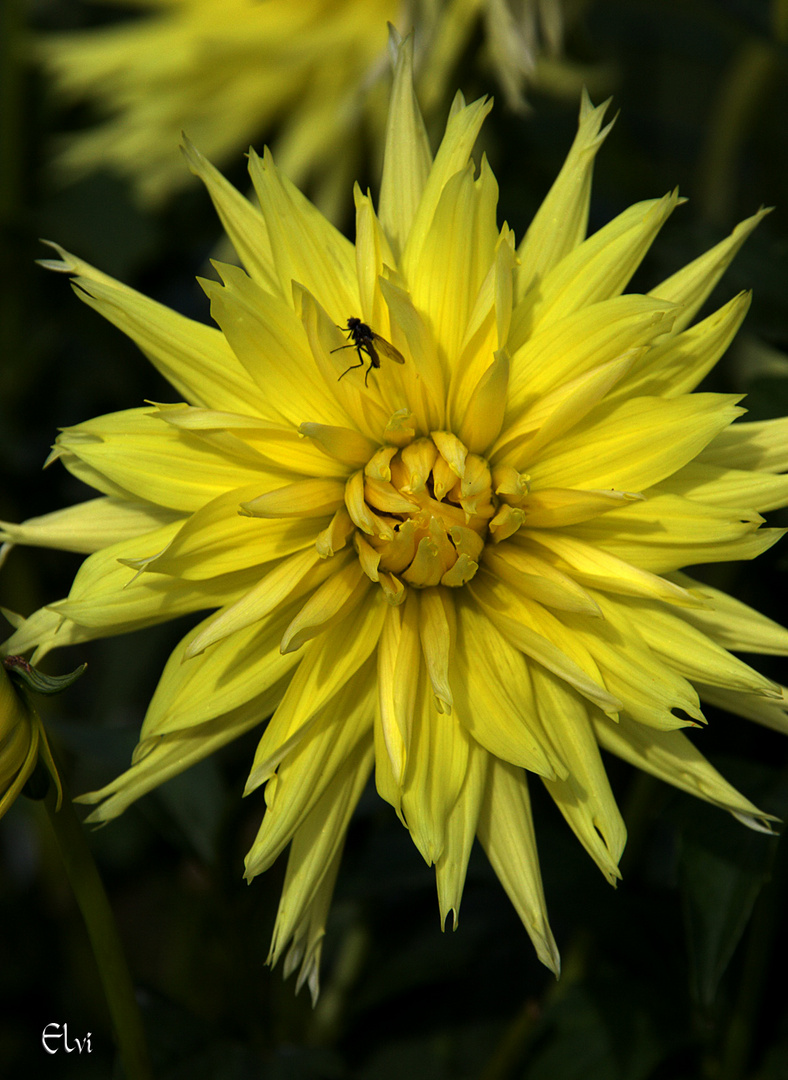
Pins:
<point x="680" y="973"/>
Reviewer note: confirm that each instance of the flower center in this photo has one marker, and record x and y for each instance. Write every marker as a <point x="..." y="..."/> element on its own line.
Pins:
<point x="421" y="513"/>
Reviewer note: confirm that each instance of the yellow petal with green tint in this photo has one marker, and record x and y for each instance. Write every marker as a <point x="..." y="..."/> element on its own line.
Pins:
<point x="537" y="634"/>
<point x="598" y="567"/>
<point x="223" y="678"/>
<point x="193" y="357"/>
<point x="559" y="411"/>
<point x="452" y="157"/>
<point x="523" y="569"/>
<point x="267" y="337"/>
<point x="407" y="158"/>
<point x="89" y="526"/>
<point x="484" y="411"/>
<point x="762" y="444"/>
<point x="494" y="699"/>
<point x="171" y="755"/>
<point x="434" y="773"/>
<point x="770" y="712"/>
<point x="399" y="659"/>
<point x="560" y="223"/>
<point x="331" y="602"/>
<point x="666" y="518"/>
<point x="634" y="444"/>
<point x="690" y="286"/>
<point x="305" y="247"/>
<point x="598" y="269"/>
<point x="106" y="592"/>
<point x="728" y="488"/>
<point x="277" y="445"/>
<point x="550" y="508"/>
<point x="325" y="666"/>
<point x="241" y="220"/>
<point x="681" y="361"/>
<point x="672" y="757"/>
<point x="311" y="870"/>
<point x="345" y="445"/>
<point x="686" y="649"/>
<point x="461" y="825"/>
<point x="649" y="688"/>
<point x="584" y="795"/>
<point x="361" y="403"/>
<point x="671" y="533"/>
<point x="506" y="832"/>
<point x="373" y="255"/>
<point x="731" y="623"/>
<point x="219" y="539"/>
<point x="456" y="254"/>
<point x="291" y="578"/>
<point x="301" y="499"/>
<point x="175" y="469"/>
<point x="579" y="342"/>
<point x="422" y="375"/>
<point x="438" y="632"/>
<point x="312" y="767"/>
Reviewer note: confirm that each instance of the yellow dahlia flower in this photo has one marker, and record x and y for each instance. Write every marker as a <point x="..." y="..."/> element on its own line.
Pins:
<point x="451" y="571"/>
<point x="228" y="71"/>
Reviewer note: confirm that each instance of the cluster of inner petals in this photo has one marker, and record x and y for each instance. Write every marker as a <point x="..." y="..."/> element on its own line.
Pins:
<point x="423" y="512"/>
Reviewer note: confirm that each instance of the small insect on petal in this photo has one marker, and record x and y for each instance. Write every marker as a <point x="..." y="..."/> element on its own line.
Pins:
<point x="364" y="340"/>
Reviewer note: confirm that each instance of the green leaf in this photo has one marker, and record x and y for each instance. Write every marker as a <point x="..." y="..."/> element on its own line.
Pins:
<point x="722" y="869"/>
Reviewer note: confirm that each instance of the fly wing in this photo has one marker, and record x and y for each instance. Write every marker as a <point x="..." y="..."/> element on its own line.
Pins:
<point x="387" y="349"/>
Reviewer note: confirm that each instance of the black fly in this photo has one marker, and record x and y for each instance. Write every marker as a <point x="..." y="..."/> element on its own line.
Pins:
<point x="364" y="340"/>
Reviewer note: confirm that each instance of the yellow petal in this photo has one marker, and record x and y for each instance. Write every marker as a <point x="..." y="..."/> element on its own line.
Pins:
<point x="267" y="337"/>
<point x="291" y="578"/>
<point x="335" y="599"/>
<point x="407" y="158"/>
<point x="241" y="220"/>
<point x="483" y="414"/>
<point x="461" y="824"/>
<point x="494" y="698"/>
<point x="311" y="871"/>
<point x="596" y="566"/>
<point x="759" y="445"/>
<point x="506" y="833"/>
<point x="438" y="629"/>
<point x="89" y="526"/>
<point x="399" y="658"/>
<point x="584" y="795"/>
<point x="434" y="774"/>
<point x="340" y="735"/>
<point x="731" y="623"/>
<point x="544" y="244"/>
<point x="686" y="649"/>
<point x="326" y="665"/>
<point x="597" y="269"/>
<point x="561" y="652"/>
<point x="670" y="756"/>
<point x="304" y="498"/>
<point x="634" y="444"/>
<point x="677" y="365"/>
<point x="694" y="282"/>
<point x="193" y="357"/>
<point x="305" y="247"/>
<point x="155" y="461"/>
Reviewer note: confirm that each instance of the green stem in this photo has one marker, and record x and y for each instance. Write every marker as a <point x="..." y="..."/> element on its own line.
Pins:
<point x="104" y="939"/>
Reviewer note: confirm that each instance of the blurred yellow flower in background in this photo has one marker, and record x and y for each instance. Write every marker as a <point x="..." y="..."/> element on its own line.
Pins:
<point x="315" y="72"/>
<point x="437" y="489"/>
